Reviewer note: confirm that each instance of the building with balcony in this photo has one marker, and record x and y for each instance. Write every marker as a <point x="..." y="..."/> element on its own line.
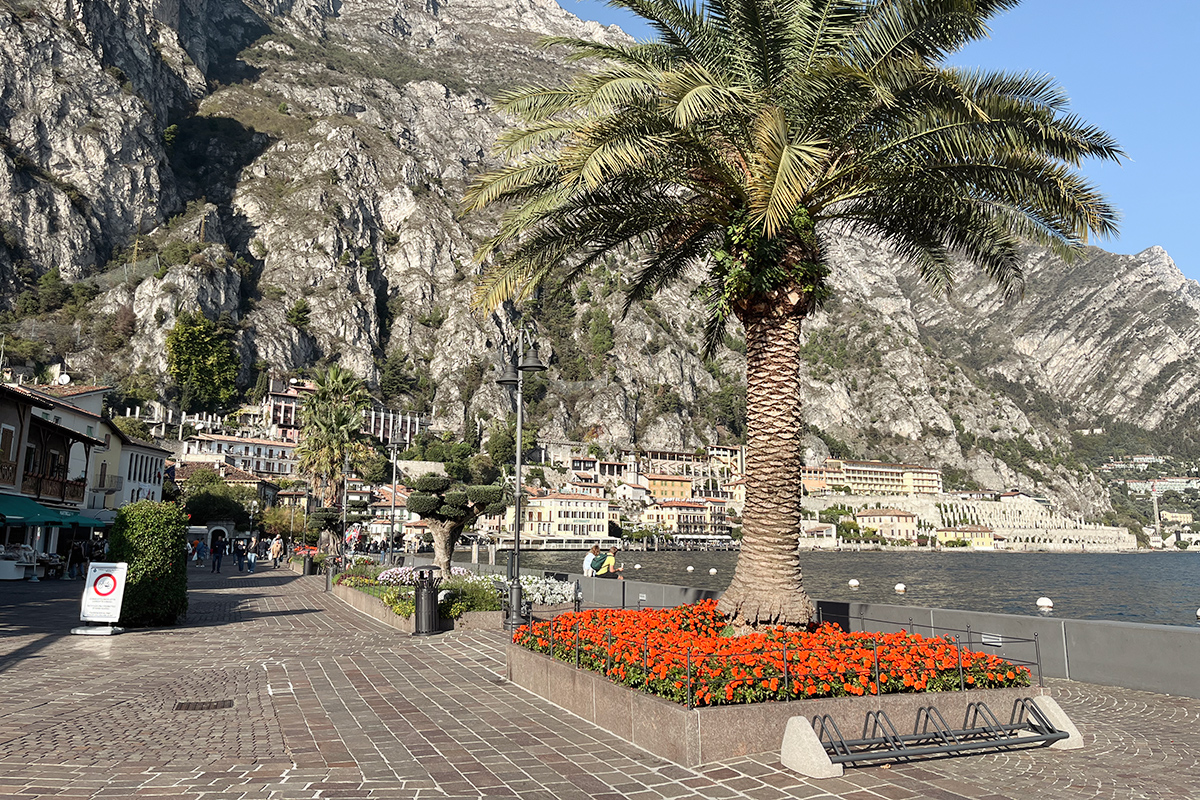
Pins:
<point x="876" y="477"/>
<point x="43" y="475"/>
<point x="267" y="458"/>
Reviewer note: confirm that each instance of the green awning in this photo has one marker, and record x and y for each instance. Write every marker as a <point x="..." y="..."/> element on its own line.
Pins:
<point x="71" y="518"/>
<point x="23" y="511"/>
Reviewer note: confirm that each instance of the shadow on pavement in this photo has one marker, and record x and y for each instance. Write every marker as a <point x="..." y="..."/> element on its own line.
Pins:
<point x="33" y="616"/>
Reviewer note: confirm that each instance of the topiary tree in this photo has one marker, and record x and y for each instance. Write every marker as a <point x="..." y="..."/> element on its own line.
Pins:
<point x="449" y="507"/>
<point x="151" y="538"/>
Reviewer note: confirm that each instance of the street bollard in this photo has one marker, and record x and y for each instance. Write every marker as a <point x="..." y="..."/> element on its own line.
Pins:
<point x="425" y="617"/>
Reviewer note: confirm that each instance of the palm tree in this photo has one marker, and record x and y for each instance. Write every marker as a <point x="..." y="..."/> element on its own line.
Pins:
<point x="331" y="423"/>
<point x="746" y="138"/>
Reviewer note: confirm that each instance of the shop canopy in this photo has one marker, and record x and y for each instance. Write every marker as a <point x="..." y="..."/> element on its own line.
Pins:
<point x="23" y="511"/>
<point x="71" y="518"/>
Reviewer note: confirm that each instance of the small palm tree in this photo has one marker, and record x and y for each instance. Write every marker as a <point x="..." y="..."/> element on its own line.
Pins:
<point x="331" y="431"/>
<point x="746" y="138"/>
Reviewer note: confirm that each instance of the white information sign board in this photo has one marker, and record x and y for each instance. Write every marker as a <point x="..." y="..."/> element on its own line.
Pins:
<point x="103" y="592"/>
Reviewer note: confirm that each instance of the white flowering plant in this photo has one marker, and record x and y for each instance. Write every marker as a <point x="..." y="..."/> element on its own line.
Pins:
<point x="407" y="576"/>
<point x="547" y="591"/>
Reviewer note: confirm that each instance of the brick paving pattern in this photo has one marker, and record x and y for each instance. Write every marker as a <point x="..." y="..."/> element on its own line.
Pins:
<point x="328" y="703"/>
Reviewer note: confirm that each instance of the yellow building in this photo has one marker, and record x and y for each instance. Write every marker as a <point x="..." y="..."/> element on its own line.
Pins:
<point x="890" y="523"/>
<point x="979" y="537"/>
<point x="677" y="517"/>
<point x="664" y="487"/>
<point x="559" y="515"/>
<point x="877" y="477"/>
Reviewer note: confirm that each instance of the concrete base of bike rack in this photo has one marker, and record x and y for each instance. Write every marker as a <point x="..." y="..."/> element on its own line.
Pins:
<point x="1059" y="719"/>
<point x="803" y="752"/>
<point x="716" y="733"/>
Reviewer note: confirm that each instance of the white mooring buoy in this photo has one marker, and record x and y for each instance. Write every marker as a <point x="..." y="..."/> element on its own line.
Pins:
<point x="712" y="571"/>
<point x="637" y="566"/>
<point x="1045" y="604"/>
<point x="901" y="588"/>
<point x="691" y="568"/>
<point x="854" y="583"/>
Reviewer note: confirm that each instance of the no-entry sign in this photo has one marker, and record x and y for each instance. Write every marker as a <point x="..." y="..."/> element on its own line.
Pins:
<point x="103" y="592"/>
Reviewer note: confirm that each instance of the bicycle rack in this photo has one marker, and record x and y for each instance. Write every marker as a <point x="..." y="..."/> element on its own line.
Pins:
<point x="1027" y="727"/>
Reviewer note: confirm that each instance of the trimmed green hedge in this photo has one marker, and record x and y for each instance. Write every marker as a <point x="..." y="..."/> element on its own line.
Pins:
<point x="151" y="538"/>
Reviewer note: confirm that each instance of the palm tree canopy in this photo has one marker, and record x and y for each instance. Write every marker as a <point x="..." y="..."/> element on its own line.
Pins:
<point x="753" y="130"/>
<point x="331" y="420"/>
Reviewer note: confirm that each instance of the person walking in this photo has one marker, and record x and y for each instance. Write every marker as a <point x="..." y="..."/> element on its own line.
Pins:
<point x="251" y="556"/>
<point x="239" y="553"/>
<point x="218" y="550"/>
<point x="75" y="561"/>
<point x="201" y="553"/>
<point x="277" y="549"/>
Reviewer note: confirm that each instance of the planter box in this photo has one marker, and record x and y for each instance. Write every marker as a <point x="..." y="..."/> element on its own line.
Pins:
<point x="714" y="733"/>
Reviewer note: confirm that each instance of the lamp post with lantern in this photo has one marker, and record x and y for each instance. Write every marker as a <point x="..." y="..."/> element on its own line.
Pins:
<point x="514" y="377"/>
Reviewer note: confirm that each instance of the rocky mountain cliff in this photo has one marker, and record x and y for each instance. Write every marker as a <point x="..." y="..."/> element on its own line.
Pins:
<point x="297" y="166"/>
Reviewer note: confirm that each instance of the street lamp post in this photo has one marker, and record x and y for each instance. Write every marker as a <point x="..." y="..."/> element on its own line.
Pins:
<point x="345" y="504"/>
<point x="392" y="447"/>
<point x="514" y="376"/>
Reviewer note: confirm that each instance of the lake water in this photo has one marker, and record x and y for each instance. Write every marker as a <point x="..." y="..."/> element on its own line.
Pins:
<point x="1162" y="588"/>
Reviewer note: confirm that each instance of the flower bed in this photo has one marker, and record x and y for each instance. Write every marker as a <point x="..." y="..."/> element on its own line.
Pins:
<point x="464" y="591"/>
<point x="680" y="654"/>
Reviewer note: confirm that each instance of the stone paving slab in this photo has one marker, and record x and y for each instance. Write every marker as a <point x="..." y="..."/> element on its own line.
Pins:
<point x="328" y="703"/>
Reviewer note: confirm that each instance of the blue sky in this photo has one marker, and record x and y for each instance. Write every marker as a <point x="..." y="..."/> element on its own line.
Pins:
<point x="1128" y="68"/>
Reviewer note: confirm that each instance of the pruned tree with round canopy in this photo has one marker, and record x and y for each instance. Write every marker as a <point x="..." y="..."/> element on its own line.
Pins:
<point x="449" y="507"/>
<point x="745" y="139"/>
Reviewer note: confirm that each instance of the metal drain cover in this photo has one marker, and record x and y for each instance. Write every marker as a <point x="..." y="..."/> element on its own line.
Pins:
<point x="205" y="705"/>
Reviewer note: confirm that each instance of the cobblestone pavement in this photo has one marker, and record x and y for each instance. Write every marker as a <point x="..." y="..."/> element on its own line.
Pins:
<point x="327" y="703"/>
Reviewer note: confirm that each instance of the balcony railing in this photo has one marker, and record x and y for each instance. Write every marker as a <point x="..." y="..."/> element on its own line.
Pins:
<point x="108" y="484"/>
<point x="59" y="488"/>
<point x="8" y="473"/>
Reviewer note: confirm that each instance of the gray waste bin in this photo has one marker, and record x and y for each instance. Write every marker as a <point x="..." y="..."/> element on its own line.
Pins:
<point x="425" y="617"/>
<point x="309" y="567"/>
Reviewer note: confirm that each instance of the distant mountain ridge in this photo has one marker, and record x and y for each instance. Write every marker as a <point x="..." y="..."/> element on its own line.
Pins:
<point x="313" y="153"/>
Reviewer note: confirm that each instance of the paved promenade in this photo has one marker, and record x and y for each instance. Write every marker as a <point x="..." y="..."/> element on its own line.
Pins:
<point x="327" y="703"/>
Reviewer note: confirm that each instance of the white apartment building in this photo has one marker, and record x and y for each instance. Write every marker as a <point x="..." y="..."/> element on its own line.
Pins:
<point x="264" y="457"/>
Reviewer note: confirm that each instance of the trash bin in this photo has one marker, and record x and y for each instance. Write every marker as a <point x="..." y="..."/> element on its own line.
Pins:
<point x="309" y="567"/>
<point x="425" y="617"/>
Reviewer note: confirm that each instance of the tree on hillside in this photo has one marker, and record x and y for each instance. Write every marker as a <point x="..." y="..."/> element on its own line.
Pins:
<point x="132" y="426"/>
<point x="202" y="361"/>
<point x="751" y="136"/>
<point x="449" y="507"/>
<point x="208" y="498"/>
<point x="331" y="431"/>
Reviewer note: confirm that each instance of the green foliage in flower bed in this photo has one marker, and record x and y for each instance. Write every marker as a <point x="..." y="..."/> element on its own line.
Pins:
<point x="460" y="594"/>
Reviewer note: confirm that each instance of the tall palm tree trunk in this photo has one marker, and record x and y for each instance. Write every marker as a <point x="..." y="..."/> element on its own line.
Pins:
<point x="767" y="586"/>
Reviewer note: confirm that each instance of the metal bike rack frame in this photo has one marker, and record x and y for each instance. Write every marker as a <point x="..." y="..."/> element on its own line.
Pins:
<point x="932" y="736"/>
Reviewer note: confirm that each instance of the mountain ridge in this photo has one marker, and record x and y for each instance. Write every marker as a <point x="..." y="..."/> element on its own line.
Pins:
<point x="268" y="156"/>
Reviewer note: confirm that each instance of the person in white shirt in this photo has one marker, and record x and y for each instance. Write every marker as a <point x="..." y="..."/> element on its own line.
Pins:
<point x="588" y="572"/>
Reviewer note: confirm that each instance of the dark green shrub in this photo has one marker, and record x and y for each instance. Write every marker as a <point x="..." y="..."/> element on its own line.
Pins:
<point x="151" y="537"/>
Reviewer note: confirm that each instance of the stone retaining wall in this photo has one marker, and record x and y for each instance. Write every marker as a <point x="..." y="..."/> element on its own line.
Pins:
<point x="714" y="733"/>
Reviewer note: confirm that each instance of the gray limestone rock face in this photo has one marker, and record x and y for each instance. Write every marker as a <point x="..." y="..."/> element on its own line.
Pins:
<point x="329" y="144"/>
